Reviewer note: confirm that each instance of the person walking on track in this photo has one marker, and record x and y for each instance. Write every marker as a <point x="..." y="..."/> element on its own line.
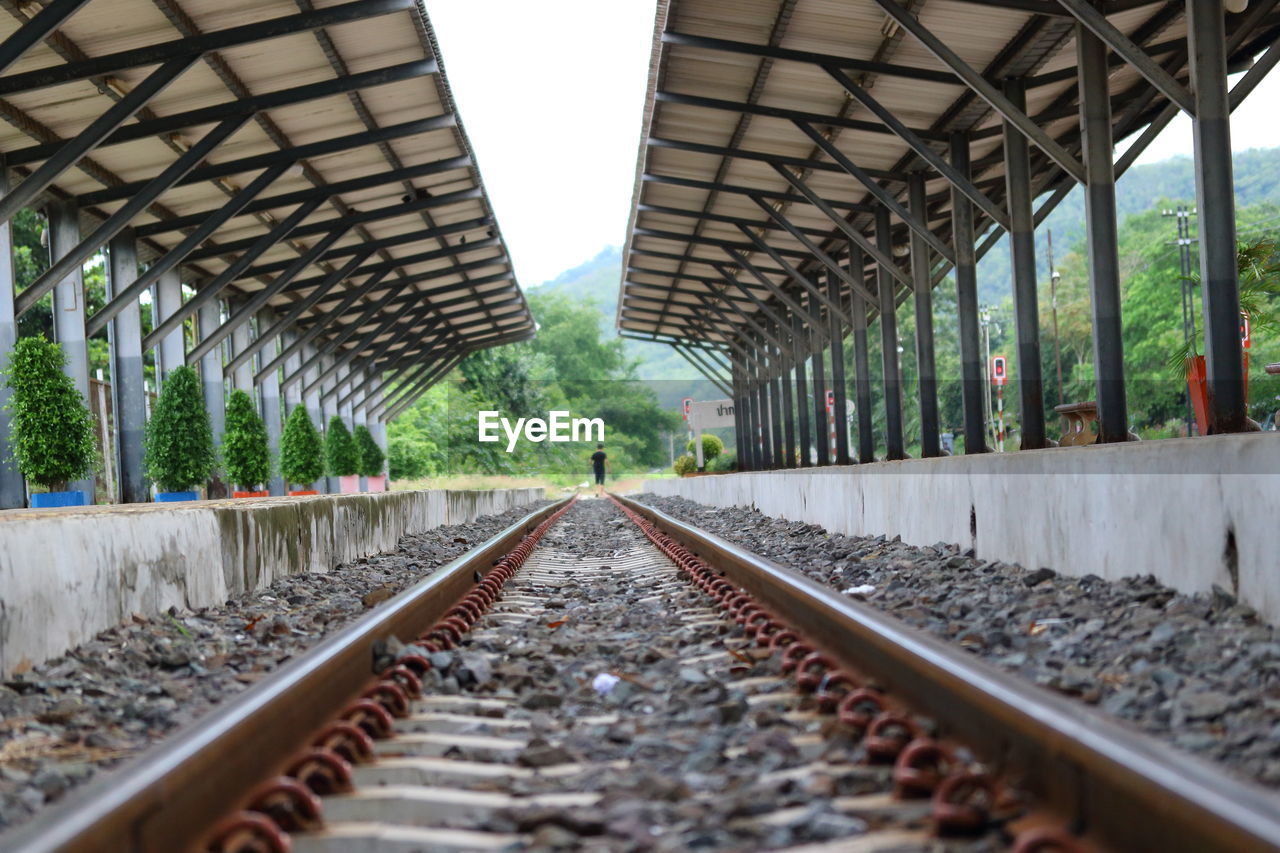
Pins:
<point x="599" y="464"/>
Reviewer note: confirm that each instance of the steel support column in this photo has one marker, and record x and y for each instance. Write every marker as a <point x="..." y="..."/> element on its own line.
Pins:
<point x="802" y="393"/>
<point x="822" y="441"/>
<point x="840" y="415"/>
<point x="922" y="285"/>
<point x="128" y="388"/>
<point x="69" y="311"/>
<point x="975" y="435"/>
<point x="757" y="420"/>
<point x="214" y="386"/>
<point x="1022" y="251"/>
<point x="13" y="493"/>
<point x="740" y="424"/>
<point x="327" y="412"/>
<point x="894" y="443"/>
<point x="1215" y="205"/>
<point x="787" y="364"/>
<point x="1100" y="222"/>
<point x="861" y="368"/>
<point x="775" y="405"/>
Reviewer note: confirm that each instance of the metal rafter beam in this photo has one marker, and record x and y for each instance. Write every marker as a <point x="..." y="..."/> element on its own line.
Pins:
<point x="118" y="221"/>
<point x="714" y="186"/>
<point x="196" y="46"/>
<point x="263" y="161"/>
<point x="246" y="107"/>
<point x="787" y="114"/>
<point x="29" y="34"/>
<point x="70" y="152"/>
<point x="1097" y="23"/>
<point x="927" y="75"/>
<point x="984" y="89"/>
<point x="399" y="240"/>
<point x="765" y="157"/>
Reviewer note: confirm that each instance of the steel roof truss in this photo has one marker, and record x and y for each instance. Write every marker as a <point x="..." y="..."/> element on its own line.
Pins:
<point x="193" y="48"/>
<point x="984" y="90"/>
<point x="118" y="221"/>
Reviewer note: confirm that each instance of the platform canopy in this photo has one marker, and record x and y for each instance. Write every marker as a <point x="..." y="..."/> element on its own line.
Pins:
<point x="304" y="157"/>
<point x="850" y="153"/>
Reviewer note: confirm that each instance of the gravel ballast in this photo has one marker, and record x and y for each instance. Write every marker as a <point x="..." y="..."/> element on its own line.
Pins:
<point x="138" y="682"/>
<point x="1200" y="671"/>
<point x="605" y="660"/>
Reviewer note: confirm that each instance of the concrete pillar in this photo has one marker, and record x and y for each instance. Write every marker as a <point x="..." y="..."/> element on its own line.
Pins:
<point x="271" y="412"/>
<point x="166" y="300"/>
<point x="802" y="391"/>
<point x="327" y="411"/>
<point x="13" y="493"/>
<point x="837" y="371"/>
<point x="312" y="402"/>
<point x="1215" y="205"/>
<point x="210" y="320"/>
<point x="292" y="394"/>
<point x="68" y="311"/>
<point x="128" y="387"/>
<point x="242" y="376"/>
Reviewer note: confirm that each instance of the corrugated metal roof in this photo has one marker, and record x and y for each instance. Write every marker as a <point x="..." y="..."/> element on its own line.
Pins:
<point x="706" y="122"/>
<point x="494" y="307"/>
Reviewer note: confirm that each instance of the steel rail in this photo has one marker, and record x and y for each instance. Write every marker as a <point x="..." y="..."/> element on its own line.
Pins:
<point x="175" y="794"/>
<point x="1123" y="789"/>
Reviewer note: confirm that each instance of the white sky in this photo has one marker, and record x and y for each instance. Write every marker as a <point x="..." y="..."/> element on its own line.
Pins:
<point x="552" y="94"/>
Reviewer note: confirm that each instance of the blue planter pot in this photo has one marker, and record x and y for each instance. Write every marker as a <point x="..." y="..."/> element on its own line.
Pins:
<point x="45" y="500"/>
<point x="173" y="497"/>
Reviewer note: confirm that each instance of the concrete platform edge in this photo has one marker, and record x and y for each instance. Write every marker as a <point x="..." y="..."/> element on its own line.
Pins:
<point x="1193" y="512"/>
<point x="65" y="575"/>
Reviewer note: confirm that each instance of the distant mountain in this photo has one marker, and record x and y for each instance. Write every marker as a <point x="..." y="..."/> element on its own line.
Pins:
<point x="1257" y="178"/>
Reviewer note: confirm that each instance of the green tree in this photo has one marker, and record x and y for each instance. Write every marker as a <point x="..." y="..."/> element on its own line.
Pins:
<point x="178" y="450"/>
<point x="52" y="429"/>
<point x="245" y="452"/>
<point x="301" y="449"/>
<point x="371" y="456"/>
<point x="712" y="447"/>
<point x="342" y="459"/>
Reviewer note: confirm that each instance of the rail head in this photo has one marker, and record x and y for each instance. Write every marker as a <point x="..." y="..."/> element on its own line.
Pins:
<point x="1122" y="788"/>
<point x="180" y="789"/>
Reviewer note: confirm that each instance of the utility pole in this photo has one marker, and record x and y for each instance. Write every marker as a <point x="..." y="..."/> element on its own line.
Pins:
<point x="1183" y="216"/>
<point x="1054" y="275"/>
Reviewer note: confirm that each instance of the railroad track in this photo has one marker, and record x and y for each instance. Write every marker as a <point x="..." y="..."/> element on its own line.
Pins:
<point x="608" y="679"/>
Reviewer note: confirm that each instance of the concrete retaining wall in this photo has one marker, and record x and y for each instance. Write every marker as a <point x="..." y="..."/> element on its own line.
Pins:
<point x="65" y="575"/>
<point x="1192" y="512"/>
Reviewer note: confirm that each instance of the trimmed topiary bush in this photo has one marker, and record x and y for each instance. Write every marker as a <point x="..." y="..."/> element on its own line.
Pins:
<point x="371" y="456"/>
<point x="341" y="457"/>
<point x="178" y="450"/>
<point x="712" y="447"/>
<point x="52" y="433"/>
<point x="301" y="449"/>
<point x="685" y="465"/>
<point x="245" y="453"/>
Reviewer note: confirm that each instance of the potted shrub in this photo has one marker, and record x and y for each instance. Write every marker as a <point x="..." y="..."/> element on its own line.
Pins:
<point x="341" y="456"/>
<point x="1259" y="271"/>
<point x="371" y="459"/>
<point x="52" y="432"/>
<point x="178" y="450"/>
<point x="685" y="465"/>
<point x="712" y="447"/>
<point x="301" y="452"/>
<point x="245" y="453"/>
